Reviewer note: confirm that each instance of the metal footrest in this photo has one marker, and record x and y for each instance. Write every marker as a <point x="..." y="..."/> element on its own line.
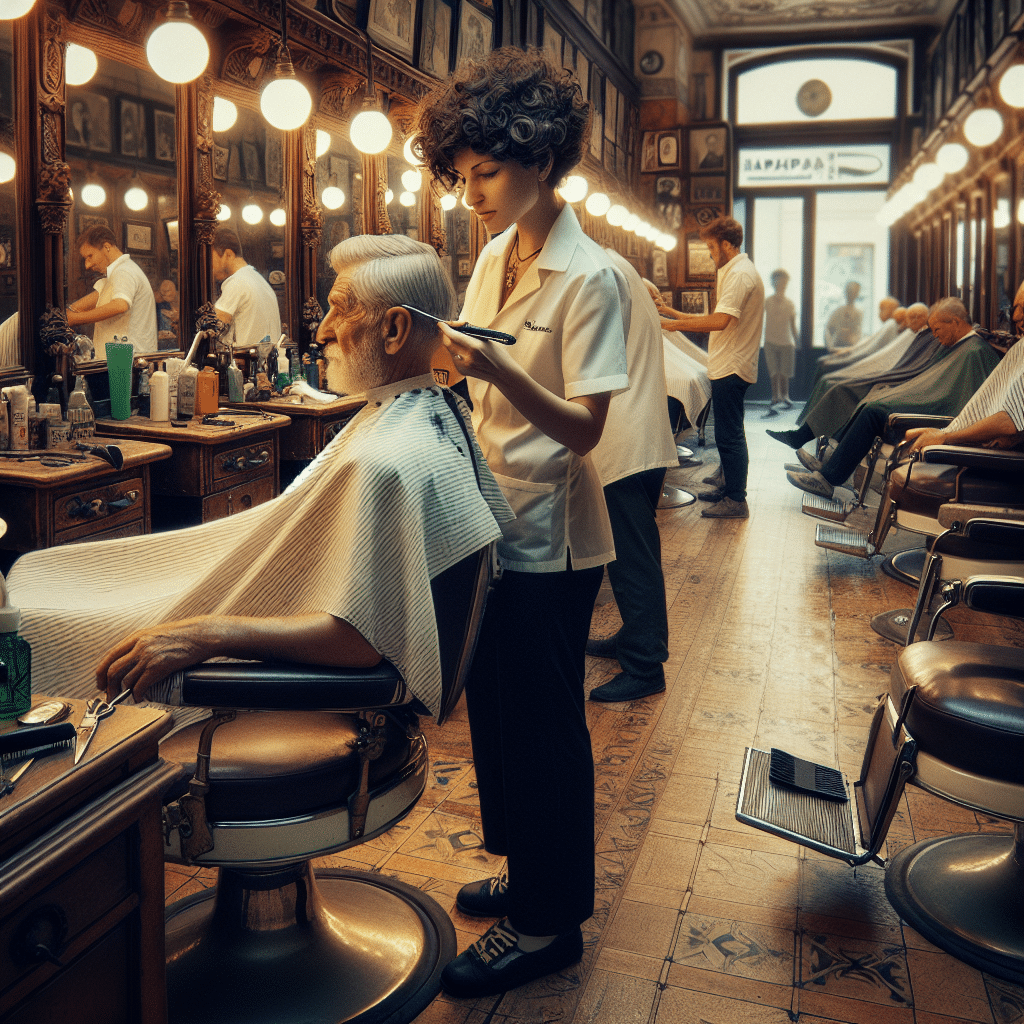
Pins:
<point x="835" y="538"/>
<point x="827" y="508"/>
<point x="802" y="817"/>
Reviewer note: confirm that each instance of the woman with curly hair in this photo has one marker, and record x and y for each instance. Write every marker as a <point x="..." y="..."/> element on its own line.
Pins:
<point x="507" y="130"/>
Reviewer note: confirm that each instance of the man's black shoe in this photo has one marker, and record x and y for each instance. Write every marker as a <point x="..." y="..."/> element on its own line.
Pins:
<point x="788" y="437"/>
<point x="488" y="898"/>
<point x="626" y="687"/>
<point x="495" y="963"/>
<point x="605" y="647"/>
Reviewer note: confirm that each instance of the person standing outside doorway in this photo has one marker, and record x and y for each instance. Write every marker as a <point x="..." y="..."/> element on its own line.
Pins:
<point x="733" y="346"/>
<point x="780" y="338"/>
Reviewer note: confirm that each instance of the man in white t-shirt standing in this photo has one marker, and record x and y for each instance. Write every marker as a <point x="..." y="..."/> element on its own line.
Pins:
<point x="247" y="303"/>
<point x="733" y="348"/>
<point x="121" y="303"/>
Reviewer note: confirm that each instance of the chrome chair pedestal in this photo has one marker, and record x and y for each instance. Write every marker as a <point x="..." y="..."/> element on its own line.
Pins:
<point x="906" y="566"/>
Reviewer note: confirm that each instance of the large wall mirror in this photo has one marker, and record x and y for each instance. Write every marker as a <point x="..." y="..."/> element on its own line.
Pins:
<point x="120" y="146"/>
<point x="1001" y="221"/>
<point x="10" y="353"/>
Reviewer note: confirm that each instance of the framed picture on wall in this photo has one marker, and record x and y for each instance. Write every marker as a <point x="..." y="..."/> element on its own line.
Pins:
<point x="250" y="162"/>
<point x="88" y="220"/>
<point x="707" y="189"/>
<point x="138" y="237"/>
<point x="390" y="23"/>
<point x="649" y="152"/>
<point x="699" y="263"/>
<point x="476" y="32"/>
<point x="133" y="128"/>
<point x="436" y="37"/>
<point x="163" y="129"/>
<point x="668" y="149"/>
<point x="693" y="302"/>
<point x="171" y="227"/>
<point x="221" y="156"/>
<point x="273" y="160"/>
<point x="88" y="121"/>
<point x="707" y="149"/>
<point x="659" y="268"/>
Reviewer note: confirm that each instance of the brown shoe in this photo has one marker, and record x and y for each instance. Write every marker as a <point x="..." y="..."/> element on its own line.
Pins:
<point x="727" y="509"/>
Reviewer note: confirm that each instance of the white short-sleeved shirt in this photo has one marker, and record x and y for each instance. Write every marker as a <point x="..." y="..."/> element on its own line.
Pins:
<point x="252" y="305"/>
<point x="740" y="294"/>
<point x="570" y="314"/>
<point x="778" y="319"/>
<point x="125" y="280"/>
<point x="637" y="435"/>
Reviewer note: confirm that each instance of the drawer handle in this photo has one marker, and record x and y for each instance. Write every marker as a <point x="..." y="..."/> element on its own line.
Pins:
<point x="41" y="936"/>
<point x="97" y="507"/>
<point x="240" y="463"/>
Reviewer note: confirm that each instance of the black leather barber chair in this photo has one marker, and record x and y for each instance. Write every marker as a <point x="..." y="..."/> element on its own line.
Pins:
<point x="297" y="762"/>
<point x="951" y="723"/>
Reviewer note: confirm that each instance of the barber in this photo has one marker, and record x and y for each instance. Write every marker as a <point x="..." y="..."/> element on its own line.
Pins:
<point x="247" y="302"/>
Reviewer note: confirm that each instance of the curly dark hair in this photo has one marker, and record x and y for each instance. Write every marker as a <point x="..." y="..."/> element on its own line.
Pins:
<point x="513" y="105"/>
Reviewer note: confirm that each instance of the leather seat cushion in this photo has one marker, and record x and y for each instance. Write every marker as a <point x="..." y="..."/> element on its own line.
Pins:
<point x="281" y="764"/>
<point x="969" y="707"/>
<point x="932" y="484"/>
<point x="957" y="546"/>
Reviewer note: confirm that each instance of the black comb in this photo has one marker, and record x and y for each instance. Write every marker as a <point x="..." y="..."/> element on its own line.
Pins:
<point x="36" y="741"/>
<point x="795" y="772"/>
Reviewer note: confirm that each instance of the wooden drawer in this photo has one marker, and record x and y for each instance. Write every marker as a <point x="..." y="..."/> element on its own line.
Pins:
<point x="239" y="498"/>
<point x="119" y="502"/>
<point x="242" y="463"/>
<point x="135" y="528"/>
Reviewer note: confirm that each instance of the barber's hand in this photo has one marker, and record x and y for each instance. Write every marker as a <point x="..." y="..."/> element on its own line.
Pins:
<point x="149" y="655"/>
<point x="473" y="357"/>
<point x="923" y="437"/>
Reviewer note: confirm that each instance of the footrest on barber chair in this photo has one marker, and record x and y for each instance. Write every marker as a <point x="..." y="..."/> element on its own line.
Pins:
<point x="835" y="538"/>
<point x="816" y="506"/>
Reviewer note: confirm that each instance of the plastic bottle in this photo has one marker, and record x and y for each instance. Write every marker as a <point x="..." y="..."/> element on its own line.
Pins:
<point x="144" y="389"/>
<point x="206" y="391"/>
<point x="235" y="381"/>
<point x="19" y="417"/>
<point x="5" y="422"/>
<point x="159" y="397"/>
<point x="16" y="656"/>
<point x="81" y="419"/>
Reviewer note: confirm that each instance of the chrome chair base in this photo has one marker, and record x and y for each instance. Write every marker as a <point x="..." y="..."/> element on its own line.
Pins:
<point x="893" y="625"/>
<point x="965" y="894"/>
<point x="906" y="566"/>
<point x="675" y="497"/>
<point x="283" y="947"/>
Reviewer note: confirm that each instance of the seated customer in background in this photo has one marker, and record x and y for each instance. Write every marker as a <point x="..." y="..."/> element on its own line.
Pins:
<point x="891" y="315"/>
<point x="944" y="388"/>
<point x="343" y="575"/>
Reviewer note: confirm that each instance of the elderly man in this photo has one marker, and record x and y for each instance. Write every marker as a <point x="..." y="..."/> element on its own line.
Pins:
<point x="843" y="327"/>
<point x="891" y="315"/>
<point x="401" y="494"/>
<point x="944" y="387"/>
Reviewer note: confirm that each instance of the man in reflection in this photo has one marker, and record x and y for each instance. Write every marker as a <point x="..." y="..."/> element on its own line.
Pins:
<point x="843" y="327"/>
<point x="121" y="302"/>
<point x="247" y="303"/>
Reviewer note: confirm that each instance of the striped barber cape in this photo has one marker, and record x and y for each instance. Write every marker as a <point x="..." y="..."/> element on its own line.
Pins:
<point x="1003" y="391"/>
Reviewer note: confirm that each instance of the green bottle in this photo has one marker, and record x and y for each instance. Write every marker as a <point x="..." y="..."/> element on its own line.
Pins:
<point x="16" y="675"/>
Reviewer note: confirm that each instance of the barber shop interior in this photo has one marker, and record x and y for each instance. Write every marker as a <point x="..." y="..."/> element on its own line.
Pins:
<point x="553" y="288"/>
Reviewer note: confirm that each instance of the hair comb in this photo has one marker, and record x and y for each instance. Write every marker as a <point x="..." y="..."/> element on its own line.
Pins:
<point x="481" y="333"/>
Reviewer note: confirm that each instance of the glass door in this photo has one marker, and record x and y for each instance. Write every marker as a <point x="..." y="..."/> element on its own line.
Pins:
<point x="778" y="239"/>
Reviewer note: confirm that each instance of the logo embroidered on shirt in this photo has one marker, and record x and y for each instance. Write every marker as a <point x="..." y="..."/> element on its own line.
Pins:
<point x="531" y="326"/>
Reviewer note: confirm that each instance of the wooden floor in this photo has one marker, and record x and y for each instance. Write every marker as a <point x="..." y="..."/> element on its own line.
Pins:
<point x="700" y="919"/>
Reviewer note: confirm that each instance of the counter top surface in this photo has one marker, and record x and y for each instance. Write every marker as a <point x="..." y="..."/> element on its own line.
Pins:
<point x="289" y="407"/>
<point x="194" y="431"/>
<point x="92" y="467"/>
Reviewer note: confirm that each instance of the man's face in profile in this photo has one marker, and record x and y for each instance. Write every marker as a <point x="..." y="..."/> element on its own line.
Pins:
<point x="355" y="358"/>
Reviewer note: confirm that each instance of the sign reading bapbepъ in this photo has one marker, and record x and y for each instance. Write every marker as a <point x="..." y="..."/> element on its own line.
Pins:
<point x="813" y="165"/>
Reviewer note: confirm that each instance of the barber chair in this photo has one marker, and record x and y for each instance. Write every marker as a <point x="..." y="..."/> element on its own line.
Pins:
<point x="299" y="761"/>
<point x="951" y="723"/>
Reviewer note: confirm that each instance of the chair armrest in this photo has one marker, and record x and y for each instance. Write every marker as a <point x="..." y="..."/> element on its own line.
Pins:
<point x="899" y="423"/>
<point x="285" y="686"/>
<point x="992" y="460"/>
<point x="953" y="516"/>
<point x="997" y="595"/>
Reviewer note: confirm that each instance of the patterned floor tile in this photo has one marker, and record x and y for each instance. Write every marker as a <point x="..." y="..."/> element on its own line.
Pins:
<point x="754" y="951"/>
<point x="852" y="968"/>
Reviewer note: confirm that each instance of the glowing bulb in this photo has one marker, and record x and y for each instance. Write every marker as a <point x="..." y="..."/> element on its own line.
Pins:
<point x="388" y="197"/>
<point x="448" y="202"/>
<point x="370" y="132"/>
<point x="617" y="215"/>
<point x="409" y="155"/>
<point x="286" y="103"/>
<point x="251" y="213"/>
<point x="407" y="199"/>
<point x="1011" y="86"/>
<point x="928" y="176"/>
<point x="952" y="157"/>
<point x="80" y="64"/>
<point x="94" y="195"/>
<point x="11" y="9"/>
<point x="983" y="127"/>
<point x="278" y="217"/>
<point x="225" y="114"/>
<point x="574" y="189"/>
<point x="1001" y="215"/>
<point x="224" y="213"/>
<point x="176" y="50"/>
<point x="332" y="197"/>
<point x="136" y="198"/>
<point x="323" y="142"/>
<point x="631" y="221"/>
<point x="669" y="243"/>
<point x="7" y="168"/>
<point x="597" y="204"/>
<point x="412" y="180"/>
<point x="652" y="233"/>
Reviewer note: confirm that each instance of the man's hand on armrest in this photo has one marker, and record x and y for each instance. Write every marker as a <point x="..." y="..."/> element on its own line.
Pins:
<point x="149" y="655"/>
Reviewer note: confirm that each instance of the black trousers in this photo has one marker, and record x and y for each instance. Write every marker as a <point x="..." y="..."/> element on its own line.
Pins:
<point x="727" y="405"/>
<point x="531" y="745"/>
<point x="638" y="583"/>
<point x="855" y="441"/>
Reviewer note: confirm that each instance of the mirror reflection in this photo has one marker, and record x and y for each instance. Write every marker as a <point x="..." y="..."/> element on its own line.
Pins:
<point x="9" y="352"/>
<point x="405" y="184"/>
<point x="122" y="242"/>
<point x="248" y="249"/>
<point x="338" y="183"/>
<point x="1001" y="220"/>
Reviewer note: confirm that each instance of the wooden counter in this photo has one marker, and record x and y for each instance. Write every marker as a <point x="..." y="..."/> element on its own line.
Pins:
<point x="89" y="500"/>
<point x="312" y="425"/>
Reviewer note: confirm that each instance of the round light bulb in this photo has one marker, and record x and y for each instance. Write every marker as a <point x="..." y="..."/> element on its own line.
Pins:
<point x="332" y="197"/>
<point x="278" y="217"/>
<point x="983" y="127"/>
<point x="409" y="155"/>
<point x="928" y="175"/>
<point x="617" y="215"/>
<point x="952" y="157"/>
<point x="670" y="242"/>
<point x="1011" y="86"/>
<point x="407" y="198"/>
<point x="631" y="221"/>
<point x="7" y="168"/>
<point x="225" y="114"/>
<point x="136" y="198"/>
<point x="652" y="233"/>
<point x="412" y="180"/>
<point x="177" y="51"/>
<point x="448" y="202"/>
<point x="224" y="213"/>
<point x="389" y="197"/>
<point x="11" y="9"/>
<point x="323" y="142"/>
<point x="80" y="64"/>
<point x="93" y="194"/>
<point x="251" y="213"/>
<point x="597" y="204"/>
<point x="575" y="188"/>
<point x="1001" y="215"/>
<point x="370" y="132"/>
<point x="286" y="103"/>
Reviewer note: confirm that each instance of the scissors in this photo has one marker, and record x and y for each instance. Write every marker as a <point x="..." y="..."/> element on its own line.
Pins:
<point x="96" y="709"/>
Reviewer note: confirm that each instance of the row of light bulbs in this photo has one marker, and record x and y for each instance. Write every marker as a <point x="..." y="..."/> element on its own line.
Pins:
<point x="982" y="127"/>
<point x="598" y="204"/>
